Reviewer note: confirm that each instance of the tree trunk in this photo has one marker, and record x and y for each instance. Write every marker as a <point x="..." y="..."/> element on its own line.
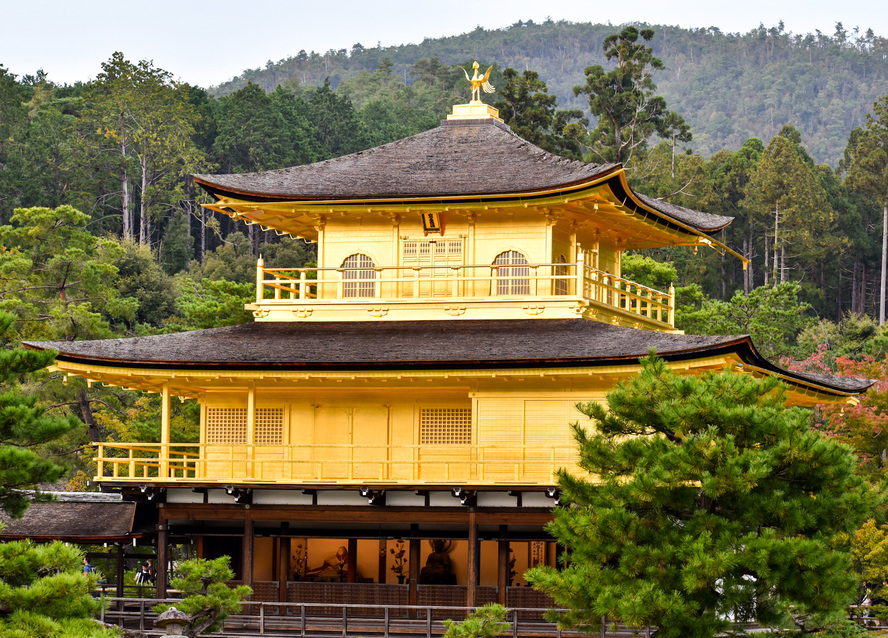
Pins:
<point x="143" y="206"/>
<point x="203" y="235"/>
<point x="86" y="411"/>
<point x="884" y="261"/>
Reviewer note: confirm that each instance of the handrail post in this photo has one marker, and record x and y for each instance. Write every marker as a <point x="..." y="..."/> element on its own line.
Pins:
<point x="260" y="276"/>
<point x="302" y="285"/>
<point x="581" y="272"/>
<point x="672" y="305"/>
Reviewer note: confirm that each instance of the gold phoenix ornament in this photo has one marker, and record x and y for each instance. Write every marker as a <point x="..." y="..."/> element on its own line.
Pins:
<point x="479" y="82"/>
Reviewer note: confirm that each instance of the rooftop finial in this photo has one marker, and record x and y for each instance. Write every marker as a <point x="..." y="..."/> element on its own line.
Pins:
<point x="479" y="82"/>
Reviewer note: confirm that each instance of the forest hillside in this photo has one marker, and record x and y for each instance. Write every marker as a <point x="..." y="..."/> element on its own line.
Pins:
<point x="728" y="86"/>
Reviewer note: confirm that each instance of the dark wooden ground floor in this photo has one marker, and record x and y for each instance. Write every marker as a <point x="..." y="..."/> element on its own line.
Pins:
<point x="392" y="556"/>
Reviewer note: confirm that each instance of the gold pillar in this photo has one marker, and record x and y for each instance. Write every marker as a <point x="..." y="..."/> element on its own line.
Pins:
<point x="251" y="429"/>
<point x="165" y="430"/>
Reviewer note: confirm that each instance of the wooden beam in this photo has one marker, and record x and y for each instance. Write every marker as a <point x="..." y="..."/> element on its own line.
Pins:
<point x="382" y="572"/>
<point x="502" y="566"/>
<point x="161" y="566"/>
<point x="284" y="565"/>
<point x="249" y="532"/>
<point x="472" y="568"/>
<point x="352" y="565"/>
<point x="413" y="568"/>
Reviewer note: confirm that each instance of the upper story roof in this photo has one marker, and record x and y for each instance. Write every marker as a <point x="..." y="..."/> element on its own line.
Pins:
<point x="460" y="161"/>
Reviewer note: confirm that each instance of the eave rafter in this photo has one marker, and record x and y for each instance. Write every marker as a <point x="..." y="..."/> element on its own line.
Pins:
<point x="648" y="227"/>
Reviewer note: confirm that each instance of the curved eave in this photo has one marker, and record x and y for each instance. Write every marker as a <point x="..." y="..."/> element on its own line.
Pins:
<point x="740" y="349"/>
<point x="241" y="205"/>
<point x="221" y="192"/>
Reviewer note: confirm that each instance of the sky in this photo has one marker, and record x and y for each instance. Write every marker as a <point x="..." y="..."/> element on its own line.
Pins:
<point x="206" y="42"/>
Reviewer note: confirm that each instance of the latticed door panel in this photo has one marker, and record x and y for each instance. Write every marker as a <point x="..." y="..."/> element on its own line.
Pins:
<point x="433" y="260"/>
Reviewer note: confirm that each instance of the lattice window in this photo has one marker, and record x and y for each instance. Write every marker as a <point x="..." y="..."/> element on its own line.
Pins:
<point x="445" y="426"/>
<point x="269" y="426"/>
<point x="561" y="285"/>
<point x="512" y="273"/>
<point x="359" y="276"/>
<point x="227" y="425"/>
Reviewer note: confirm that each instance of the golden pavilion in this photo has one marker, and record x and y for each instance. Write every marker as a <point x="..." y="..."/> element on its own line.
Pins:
<point x="387" y="429"/>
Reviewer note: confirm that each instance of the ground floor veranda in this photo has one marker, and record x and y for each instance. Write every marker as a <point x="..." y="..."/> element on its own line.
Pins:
<point x="370" y="546"/>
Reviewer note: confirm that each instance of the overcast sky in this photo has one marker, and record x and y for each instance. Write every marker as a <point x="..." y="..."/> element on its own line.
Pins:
<point x="206" y="42"/>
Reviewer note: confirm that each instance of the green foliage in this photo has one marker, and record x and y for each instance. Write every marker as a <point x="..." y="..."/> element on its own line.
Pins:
<point x="208" y="600"/>
<point x="773" y="317"/>
<point x="177" y="248"/>
<point x="141" y="277"/>
<point x="485" y="622"/>
<point x="623" y="99"/>
<point x="529" y="110"/>
<point x="213" y="303"/>
<point x="705" y="497"/>
<point x="25" y="425"/>
<point x="58" y="278"/>
<point x="43" y="592"/>
<point x="647" y="271"/>
<point x="729" y="86"/>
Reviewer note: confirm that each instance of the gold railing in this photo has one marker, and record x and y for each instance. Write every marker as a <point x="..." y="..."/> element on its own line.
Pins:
<point x="329" y="463"/>
<point x="462" y="282"/>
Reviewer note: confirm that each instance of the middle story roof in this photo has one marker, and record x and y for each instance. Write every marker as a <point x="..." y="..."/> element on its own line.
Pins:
<point x="418" y="345"/>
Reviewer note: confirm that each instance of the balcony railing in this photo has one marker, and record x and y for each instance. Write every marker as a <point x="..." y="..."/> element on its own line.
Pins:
<point x="478" y="282"/>
<point x="295" y="464"/>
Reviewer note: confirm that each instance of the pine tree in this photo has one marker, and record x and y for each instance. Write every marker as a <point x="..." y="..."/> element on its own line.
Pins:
<point x="208" y="600"/>
<point x="44" y="592"/>
<point x="706" y="499"/>
<point x="24" y="426"/>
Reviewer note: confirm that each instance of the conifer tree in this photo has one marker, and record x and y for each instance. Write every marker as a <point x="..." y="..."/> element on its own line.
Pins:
<point x="623" y="99"/>
<point x="24" y="425"/>
<point x="208" y="599"/>
<point x="866" y="164"/>
<point x="44" y="592"/>
<point x="706" y="499"/>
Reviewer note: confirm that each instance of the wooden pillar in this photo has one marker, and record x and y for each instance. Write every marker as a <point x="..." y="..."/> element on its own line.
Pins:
<point x="284" y="566"/>
<point x="161" y="566"/>
<point x="352" y="566"/>
<point x="413" y="568"/>
<point x="502" y="566"/>
<point x="382" y="572"/>
<point x="472" y="569"/>
<point x="249" y="530"/>
<point x="165" y="430"/>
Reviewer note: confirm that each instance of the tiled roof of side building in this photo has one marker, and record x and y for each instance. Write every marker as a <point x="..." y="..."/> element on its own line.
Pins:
<point x="445" y="344"/>
<point x="459" y="160"/>
<point x="72" y="520"/>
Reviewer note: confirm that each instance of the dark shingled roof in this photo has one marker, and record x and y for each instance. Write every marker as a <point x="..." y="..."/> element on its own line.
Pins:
<point x="74" y="521"/>
<point x="446" y="344"/>
<point x="702" y="221"/>
<point x="460" y="158"/>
